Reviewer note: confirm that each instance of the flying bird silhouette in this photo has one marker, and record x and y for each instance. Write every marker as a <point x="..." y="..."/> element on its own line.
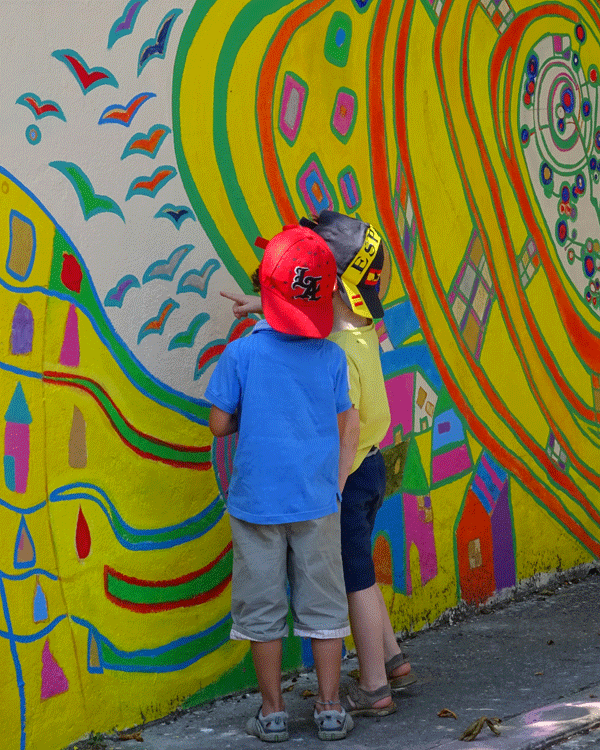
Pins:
<point x="41" y="108"/>
<point x="176" y="214"/>
<point x="187" y="338"/>
<point x="211" y="352"/>
<point x="157" y="324"/>
<point x="124" y="115"/>
<point x="157" y="47"/>
<point x="125" y="23"/>
<point x="116" y="295"/>
<point x="88" y="78"/>
<point x="151" y="185"/>
<point x="165" y="269"/>
<point x="147" y="144"/>
<point x="91" y="202"/>
<point x="197" y="281"/>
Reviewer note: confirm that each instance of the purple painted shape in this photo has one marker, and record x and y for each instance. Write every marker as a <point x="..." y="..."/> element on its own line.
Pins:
<point x="406" y="238"/>
<point x="400" y="398"/>
<point x="54" y="681"/>
<point x="16" y="444"/>
<point x="69" y="353"/>
<point x="223" y="451"/>
<point x="443" y="427"/>
<point x="21" y="337"/>
<point x="420" y="533"/>
<point x="16" y="438"/>
<point x="449" y="464"/>
<point x="502" y="539"/>
<point x="292" y="107"/>
<point x="343" y="112"/>
<point x="557" y="43"/>
<point x="349" y="190"/>
<point x="220" y="465"/>
<point x="125" y="25"/>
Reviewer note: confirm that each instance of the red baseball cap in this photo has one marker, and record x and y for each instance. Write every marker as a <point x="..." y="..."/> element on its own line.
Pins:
<point x="297" y="279"/>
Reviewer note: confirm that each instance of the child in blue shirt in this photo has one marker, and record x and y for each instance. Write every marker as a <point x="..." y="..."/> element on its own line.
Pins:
<point x="284" y="389"/>
<point x="359" y="256"/>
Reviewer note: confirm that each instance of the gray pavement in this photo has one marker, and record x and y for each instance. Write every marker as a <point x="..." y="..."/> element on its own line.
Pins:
<point x="532" y="661"/>
<point x="589" y="739"/>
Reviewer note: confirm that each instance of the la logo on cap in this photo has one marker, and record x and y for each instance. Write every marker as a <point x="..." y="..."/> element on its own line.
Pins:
<point x="309" y="284"/>
<point x="297" y="279"/>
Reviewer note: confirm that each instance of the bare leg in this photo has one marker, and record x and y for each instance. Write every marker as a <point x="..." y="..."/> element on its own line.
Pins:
<point x="267" y="663"/>
<point x="327" y="653"/>
<point x="390" y="644"/>
<point x="366" y="622"/>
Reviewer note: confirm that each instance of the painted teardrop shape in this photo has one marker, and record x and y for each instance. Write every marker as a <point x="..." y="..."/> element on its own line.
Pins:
<point x="83" y="540"/>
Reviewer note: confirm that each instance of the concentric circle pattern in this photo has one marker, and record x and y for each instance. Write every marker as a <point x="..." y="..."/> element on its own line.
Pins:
<point x="560" y="120"/>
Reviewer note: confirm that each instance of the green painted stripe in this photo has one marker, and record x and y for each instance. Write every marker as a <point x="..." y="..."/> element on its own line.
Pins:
<point x="138" y="593"/>
<point x="224" y="252"/>
<point x="170" y="658"/>
<point x="246" y="20"/>
<point x="142" y="443"/>
<point x="187" y="531"/>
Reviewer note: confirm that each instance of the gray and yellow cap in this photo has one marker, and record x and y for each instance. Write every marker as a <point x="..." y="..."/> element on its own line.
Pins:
<point x="359" y="255"/>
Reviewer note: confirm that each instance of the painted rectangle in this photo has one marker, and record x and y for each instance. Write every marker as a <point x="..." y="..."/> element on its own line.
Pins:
<point x="450" y="464"/>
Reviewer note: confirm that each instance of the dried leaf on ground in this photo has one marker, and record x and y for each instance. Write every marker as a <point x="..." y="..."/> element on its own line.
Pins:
<point x="307" y="693"/>
<point x="287" y="689"/>
<point x="133" y="736"/>
<point x="473" y="729"/>
<point x="354" y="673"/>
<point x="446" y="713"/>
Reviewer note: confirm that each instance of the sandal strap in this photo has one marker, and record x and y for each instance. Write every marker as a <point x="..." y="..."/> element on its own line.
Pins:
<point x="365" y="698"/>
<point x="396" y="661"/>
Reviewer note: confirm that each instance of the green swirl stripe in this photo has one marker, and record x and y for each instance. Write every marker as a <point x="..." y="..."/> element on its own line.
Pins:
<point x="197" y="457"/>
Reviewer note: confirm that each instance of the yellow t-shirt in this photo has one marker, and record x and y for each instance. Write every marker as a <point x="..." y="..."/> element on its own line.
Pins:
<point x="367" y="386"/>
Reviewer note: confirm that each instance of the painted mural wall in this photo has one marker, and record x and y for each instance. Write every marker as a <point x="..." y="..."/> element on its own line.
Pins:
<point x="144" y="145"/>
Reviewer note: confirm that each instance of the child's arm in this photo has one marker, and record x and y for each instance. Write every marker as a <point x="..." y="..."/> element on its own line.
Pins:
<point x="221" y="423"/>
<point x="243" y="304"/>
<point x="349" y="427"/>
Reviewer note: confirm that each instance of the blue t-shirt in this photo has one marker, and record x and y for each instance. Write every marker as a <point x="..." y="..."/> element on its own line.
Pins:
<point x="288" y="391"/>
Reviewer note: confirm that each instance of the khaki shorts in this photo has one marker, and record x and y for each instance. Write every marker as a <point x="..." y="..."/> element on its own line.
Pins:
<point x="307" y="554"/>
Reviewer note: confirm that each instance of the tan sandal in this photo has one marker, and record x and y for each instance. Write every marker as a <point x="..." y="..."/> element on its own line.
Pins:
<point x="399" y="683"/>
<point x="362" y="701"/>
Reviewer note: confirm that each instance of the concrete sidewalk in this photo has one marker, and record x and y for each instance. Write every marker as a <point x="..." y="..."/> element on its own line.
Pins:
<point x="534" y="663"/>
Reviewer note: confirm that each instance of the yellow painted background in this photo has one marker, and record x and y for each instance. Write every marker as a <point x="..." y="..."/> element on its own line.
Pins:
<point x="504" y="400"/>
